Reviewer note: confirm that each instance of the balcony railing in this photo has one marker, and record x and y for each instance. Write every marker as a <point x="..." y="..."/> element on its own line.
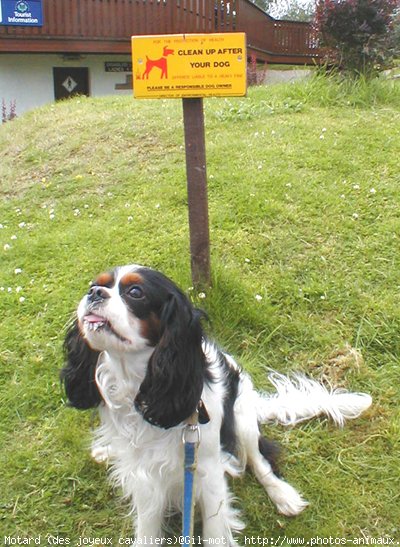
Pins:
<point x="106" y="26"/>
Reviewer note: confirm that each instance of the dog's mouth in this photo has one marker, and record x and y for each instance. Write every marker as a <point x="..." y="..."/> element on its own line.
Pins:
<point x="96" y="323"/>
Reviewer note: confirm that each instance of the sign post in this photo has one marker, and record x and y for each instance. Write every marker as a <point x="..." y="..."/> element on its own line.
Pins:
<point x="196" y="174"/>
<point x="190" y="67"/>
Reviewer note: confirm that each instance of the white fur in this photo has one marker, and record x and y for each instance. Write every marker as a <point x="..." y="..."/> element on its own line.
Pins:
<point x="299" y="398"/>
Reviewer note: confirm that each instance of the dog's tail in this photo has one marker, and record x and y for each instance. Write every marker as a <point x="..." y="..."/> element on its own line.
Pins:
<point x="299" y="398"/>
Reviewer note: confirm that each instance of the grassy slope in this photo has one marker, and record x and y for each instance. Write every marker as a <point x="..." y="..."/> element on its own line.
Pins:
<point x="303" y="192"/>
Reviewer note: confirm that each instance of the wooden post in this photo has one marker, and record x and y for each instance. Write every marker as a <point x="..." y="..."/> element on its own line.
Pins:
<point x="193" y="119"/>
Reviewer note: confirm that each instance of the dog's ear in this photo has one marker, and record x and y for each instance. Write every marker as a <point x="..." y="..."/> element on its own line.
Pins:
<point x="172" y="387"/>
<point x="78" y="376"/>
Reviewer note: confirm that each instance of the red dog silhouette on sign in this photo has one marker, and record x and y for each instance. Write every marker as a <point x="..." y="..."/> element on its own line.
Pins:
<point x="160" y="63"/>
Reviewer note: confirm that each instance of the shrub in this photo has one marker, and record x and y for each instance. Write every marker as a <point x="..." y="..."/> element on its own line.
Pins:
<point x="8" y="116"/>
<point x="356" y="35"/>
<point x="255" y="74"/>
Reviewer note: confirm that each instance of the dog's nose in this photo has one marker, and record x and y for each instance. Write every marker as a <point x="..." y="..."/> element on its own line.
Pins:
<point x="97" y="294"/>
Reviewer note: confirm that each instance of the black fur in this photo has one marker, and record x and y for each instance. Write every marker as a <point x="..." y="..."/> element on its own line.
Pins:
<point x="172" y="387"/>
<point x="78" y="376"/>
<point x="227" y="433"/>
<point x="271" y="452"/>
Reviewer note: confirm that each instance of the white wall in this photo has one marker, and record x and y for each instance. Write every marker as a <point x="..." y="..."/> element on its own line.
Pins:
<point x="28" y="78"/>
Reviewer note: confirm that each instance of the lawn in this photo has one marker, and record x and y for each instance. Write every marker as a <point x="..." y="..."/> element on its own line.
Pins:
<point x="304" y="213"/>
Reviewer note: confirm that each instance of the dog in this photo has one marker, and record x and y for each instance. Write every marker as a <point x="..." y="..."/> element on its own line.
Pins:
<point x="137" y="351"/>
<point x="160" y="63"/>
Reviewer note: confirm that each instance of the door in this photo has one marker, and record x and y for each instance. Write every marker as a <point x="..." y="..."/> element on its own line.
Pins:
<point x="70" y="81"/>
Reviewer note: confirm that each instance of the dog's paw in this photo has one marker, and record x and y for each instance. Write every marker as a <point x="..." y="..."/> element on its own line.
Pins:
<point x="101" y="454"/>
<point x="287" y="500"/>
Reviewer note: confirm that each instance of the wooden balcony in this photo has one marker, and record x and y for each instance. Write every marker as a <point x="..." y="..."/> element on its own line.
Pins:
<point x="105" y="26"/>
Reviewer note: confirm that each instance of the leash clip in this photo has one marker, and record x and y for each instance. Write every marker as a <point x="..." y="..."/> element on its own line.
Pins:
<point x="191" y="434"/>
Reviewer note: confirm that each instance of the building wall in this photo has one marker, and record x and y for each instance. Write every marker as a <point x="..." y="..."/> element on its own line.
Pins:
<point x="27" y="79"/>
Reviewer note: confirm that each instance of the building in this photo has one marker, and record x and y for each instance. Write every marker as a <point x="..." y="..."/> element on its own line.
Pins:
<point x="53" y="49"/>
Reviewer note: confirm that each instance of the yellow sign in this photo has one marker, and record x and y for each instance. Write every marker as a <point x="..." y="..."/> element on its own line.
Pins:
<point x="189" y="65"/>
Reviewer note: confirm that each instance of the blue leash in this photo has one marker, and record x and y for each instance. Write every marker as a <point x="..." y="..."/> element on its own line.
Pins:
<point x="191" y="441"/>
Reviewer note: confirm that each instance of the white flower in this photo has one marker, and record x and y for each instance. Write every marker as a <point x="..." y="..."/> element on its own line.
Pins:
<point x="17" y="271"/>
<point x="355" y="216"/>
<point x="356" y="187"/>
<point x="22" y="299"/>
<point x="22" y="224"/>
<point x="247" y="260"/>
<point x="202" y="295"/>
<point x="7" y="247"/>
<point x="52" y="216"/>
<point x="1" y="226"/>
<point x="372" y="191"/>
<point x="13" y="238"/>
<point x="130" y="218"/>
<point x="258" y="297"/>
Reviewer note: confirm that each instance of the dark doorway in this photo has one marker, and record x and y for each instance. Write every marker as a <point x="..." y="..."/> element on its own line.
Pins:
<point x="70" y="81"/>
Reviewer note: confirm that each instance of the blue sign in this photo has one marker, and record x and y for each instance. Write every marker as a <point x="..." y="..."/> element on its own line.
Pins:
<point x="22" y="13"/>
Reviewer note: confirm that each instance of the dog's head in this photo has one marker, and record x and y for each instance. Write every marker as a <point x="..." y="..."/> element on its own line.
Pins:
<point x="127" y="312"/>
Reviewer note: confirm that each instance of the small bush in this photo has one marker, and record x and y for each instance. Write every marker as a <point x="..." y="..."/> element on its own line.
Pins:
<point x="356" y="34"/>
<point x="7" y="116"/>
<point x="255" y="74"/>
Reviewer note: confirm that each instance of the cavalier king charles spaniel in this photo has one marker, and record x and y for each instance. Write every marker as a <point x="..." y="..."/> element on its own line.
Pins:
<point x="137" y="351"/>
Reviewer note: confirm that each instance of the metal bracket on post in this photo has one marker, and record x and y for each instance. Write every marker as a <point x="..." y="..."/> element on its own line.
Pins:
<point x="193" y="119"/>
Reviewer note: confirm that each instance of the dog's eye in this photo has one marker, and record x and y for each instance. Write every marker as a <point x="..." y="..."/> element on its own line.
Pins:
<point x="136" y="292"/>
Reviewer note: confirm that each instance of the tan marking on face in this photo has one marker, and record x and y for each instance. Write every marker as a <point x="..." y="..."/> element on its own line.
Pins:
<point x="131" y="279"/>
<point x="105" y="279"/>
<point x="150" y="329"/>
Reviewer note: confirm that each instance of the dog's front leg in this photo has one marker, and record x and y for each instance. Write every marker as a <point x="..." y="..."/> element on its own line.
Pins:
<point x="150" y="507"/>
<point x="220" y="519"/>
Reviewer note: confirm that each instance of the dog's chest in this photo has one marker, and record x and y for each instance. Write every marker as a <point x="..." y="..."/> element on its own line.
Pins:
<point x="141" y="447"/>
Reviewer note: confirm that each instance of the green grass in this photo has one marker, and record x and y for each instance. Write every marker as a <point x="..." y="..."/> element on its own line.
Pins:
<point x="304" y="212"/>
